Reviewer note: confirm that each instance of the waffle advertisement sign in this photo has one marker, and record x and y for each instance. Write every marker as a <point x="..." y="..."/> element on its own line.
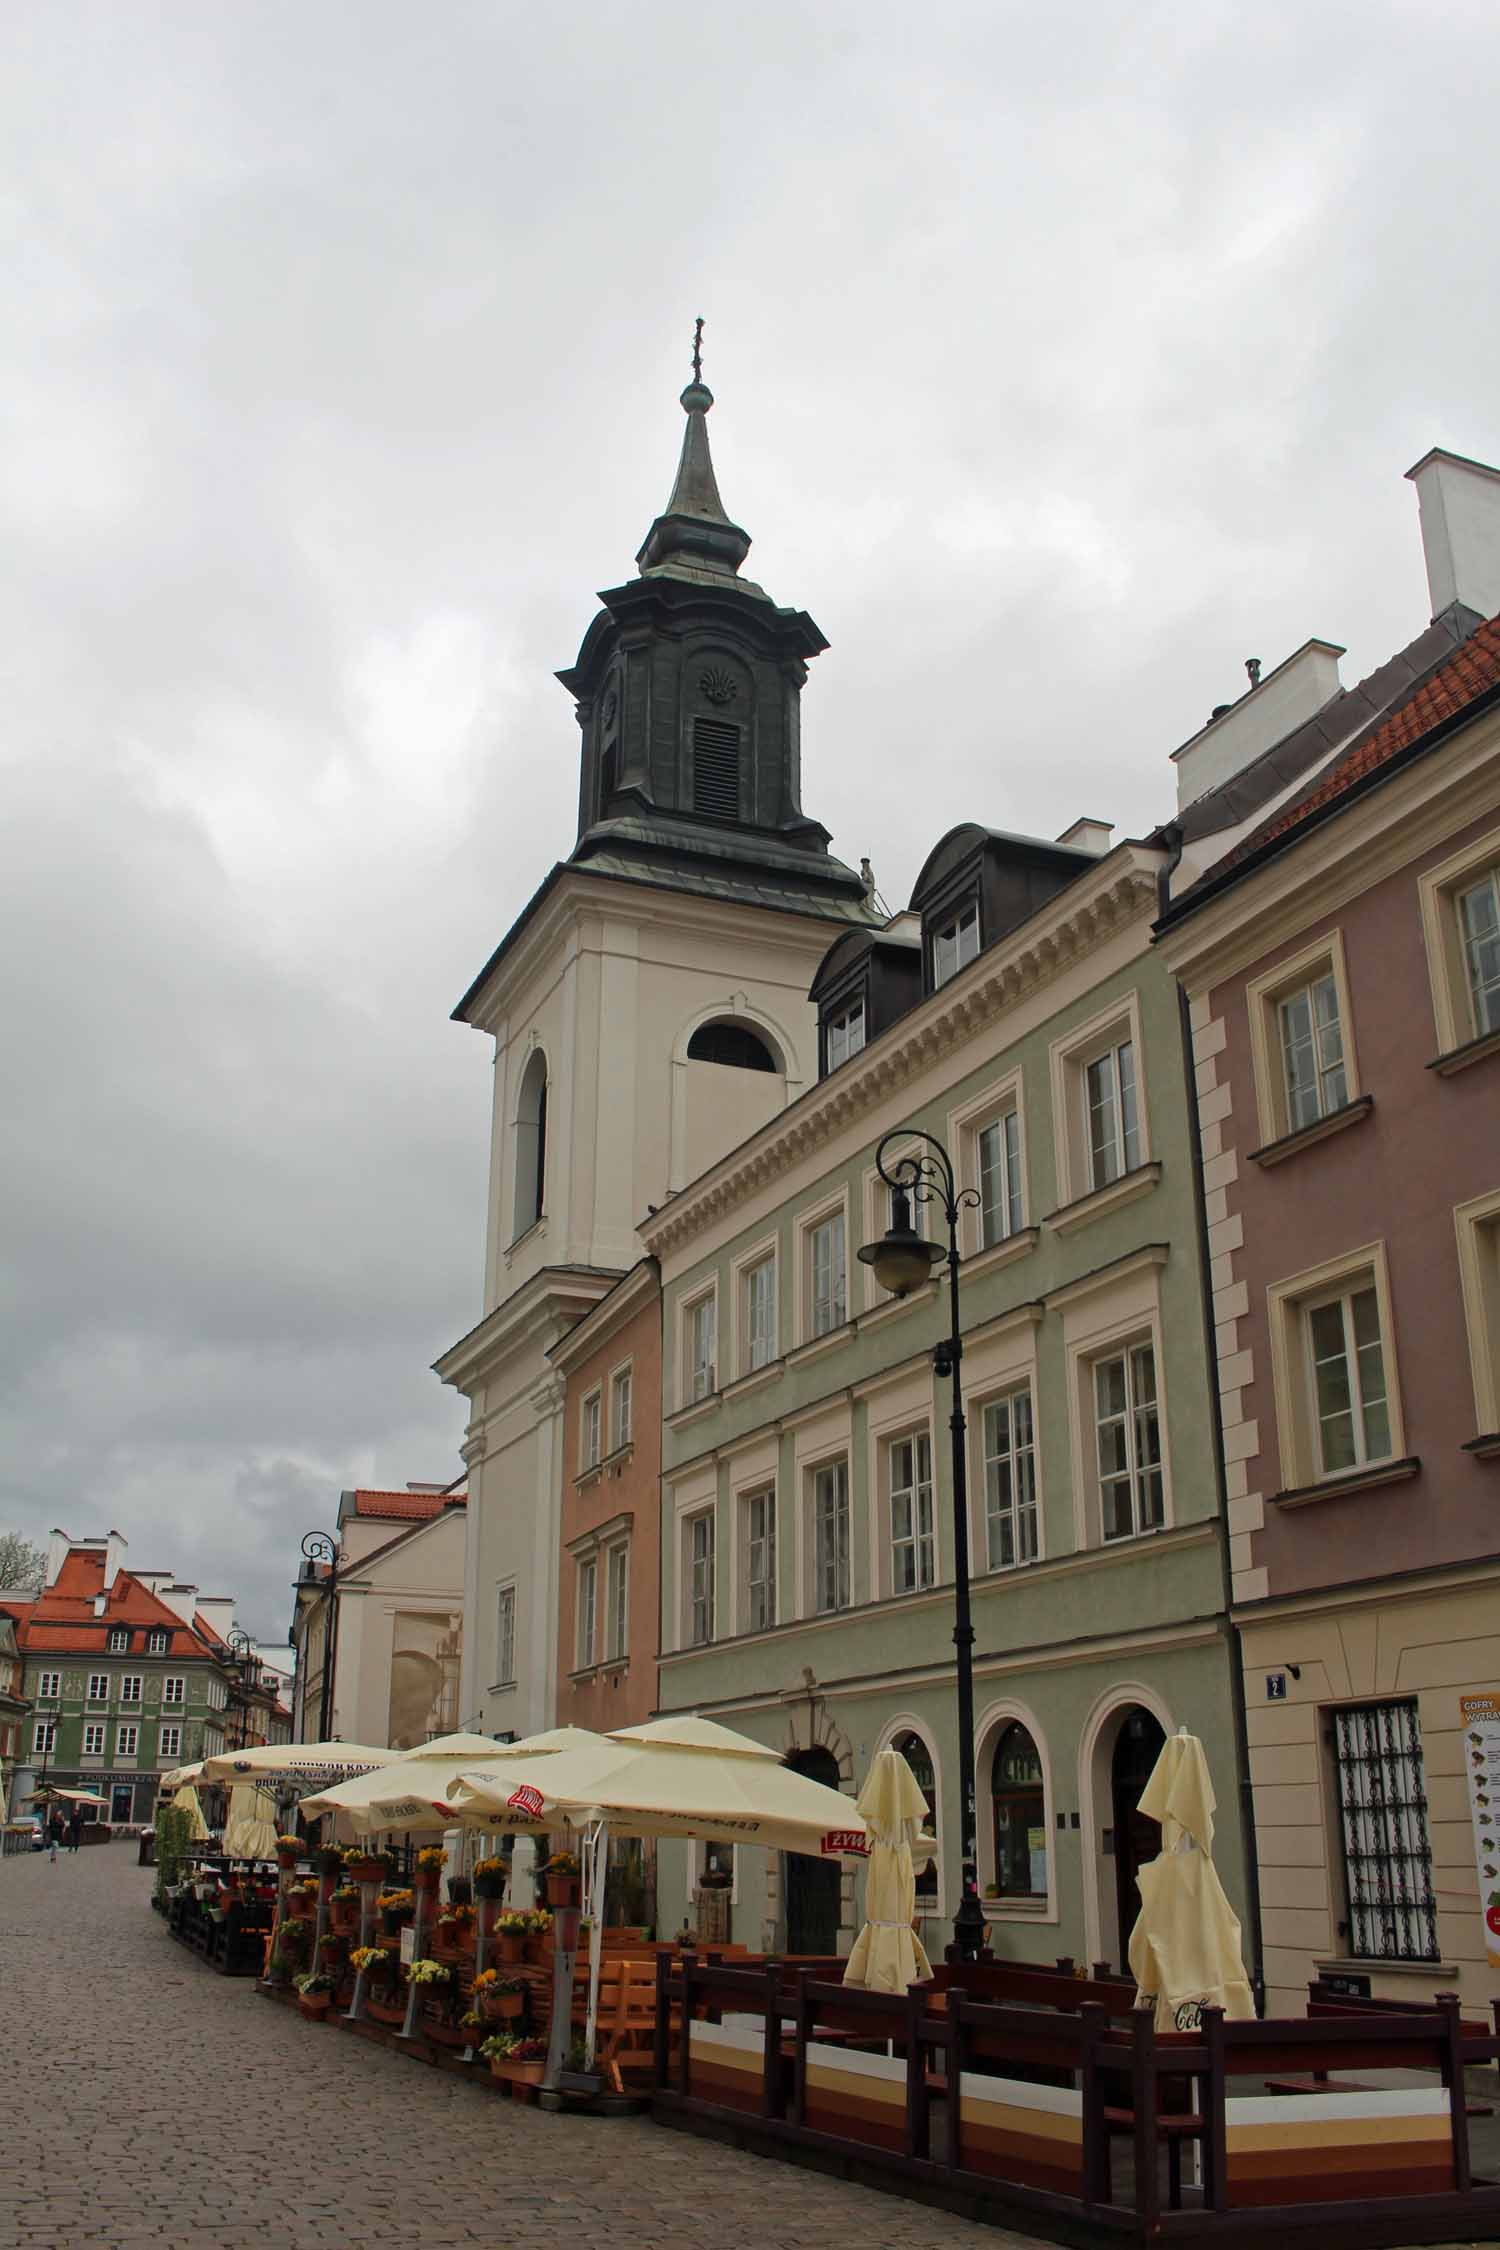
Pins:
<point x="1481" y="1740"/>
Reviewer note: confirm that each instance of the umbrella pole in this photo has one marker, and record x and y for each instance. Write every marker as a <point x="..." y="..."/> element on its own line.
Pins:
<point x="597" y="1847"/>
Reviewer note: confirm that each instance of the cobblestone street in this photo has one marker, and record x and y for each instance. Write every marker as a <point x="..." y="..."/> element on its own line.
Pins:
<point x="152" y="2102"/>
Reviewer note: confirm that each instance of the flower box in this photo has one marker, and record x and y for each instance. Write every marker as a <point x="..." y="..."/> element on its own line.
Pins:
<point x="518" y="2073"/>
<point x="382" y="2009"/>
<point x="314" y="2005"/>
<point x="366" y="1871"/>
<point x="501" y="2007"/>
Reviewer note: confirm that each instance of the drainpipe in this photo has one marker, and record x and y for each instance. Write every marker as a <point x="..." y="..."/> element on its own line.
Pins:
<point x="1249" y="1843"/>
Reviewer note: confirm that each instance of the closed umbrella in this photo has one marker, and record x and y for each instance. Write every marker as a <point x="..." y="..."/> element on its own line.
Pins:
<point x="1185" y="1947"/>
<point x="250" y="1829"/>
<point x="888" y="1954"/>
<point x="186" y="1801"/>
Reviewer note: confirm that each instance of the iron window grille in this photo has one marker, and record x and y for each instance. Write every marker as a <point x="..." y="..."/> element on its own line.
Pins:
<point x="1377" y="1750"/>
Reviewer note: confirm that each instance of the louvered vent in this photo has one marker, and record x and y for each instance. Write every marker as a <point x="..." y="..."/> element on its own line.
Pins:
<point x="716" y="769"/>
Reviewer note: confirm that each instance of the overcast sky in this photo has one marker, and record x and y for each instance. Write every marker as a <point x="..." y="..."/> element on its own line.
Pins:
<point x="1064" y="359"/>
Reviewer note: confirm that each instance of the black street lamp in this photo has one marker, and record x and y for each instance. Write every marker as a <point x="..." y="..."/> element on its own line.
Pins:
<point x="246" y="1673"/>
<point x="903" y="1261"/>
<point x="322" y="1547"/>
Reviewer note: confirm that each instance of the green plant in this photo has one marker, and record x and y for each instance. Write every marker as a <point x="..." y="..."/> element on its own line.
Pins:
<point x="171" y="1845"/>
<point x="428" y="1972"/>
<point x="312" y="1983"/>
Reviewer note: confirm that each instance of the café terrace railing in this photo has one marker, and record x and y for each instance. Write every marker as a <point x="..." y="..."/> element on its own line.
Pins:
<point x="1069" y="2109"/>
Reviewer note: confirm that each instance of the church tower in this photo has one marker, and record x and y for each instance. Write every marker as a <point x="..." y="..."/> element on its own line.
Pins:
<point x="649" y="1009"/>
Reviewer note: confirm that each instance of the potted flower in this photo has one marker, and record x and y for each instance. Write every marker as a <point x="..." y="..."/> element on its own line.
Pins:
<point x="511" y="1933"/>
<point x="288" y="1851"/>
<point x="489" y="1878"/>
<point x="539" y="1934"/>
<point x="499" y="1998"/>
<point x="561" y="1878"/>
<point x="331" y="1859"/>
<point x="460" y="1890"/>
<point x="395" y="1909"/>
<point x="428" y="1972"/>
<point x="577" y="2075"/>
<point x="343" y="1906"/>
<point x="430" y="1864"/>
<point x="361" y="1866"/>
<point x="314" y="1995"/>
<point x="302" y="1899"/>
<point x="522" y="2061"/>
<point x="379" y="1964"/>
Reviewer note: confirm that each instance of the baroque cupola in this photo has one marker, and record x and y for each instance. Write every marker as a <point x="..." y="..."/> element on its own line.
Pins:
<point x="688" y="689"/>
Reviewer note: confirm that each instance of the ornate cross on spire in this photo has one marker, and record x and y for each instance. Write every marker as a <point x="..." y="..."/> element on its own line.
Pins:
<point x="698" y="349"/>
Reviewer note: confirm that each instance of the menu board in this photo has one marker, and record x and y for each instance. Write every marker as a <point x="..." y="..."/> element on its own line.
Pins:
<point x="1481" y="1740"/>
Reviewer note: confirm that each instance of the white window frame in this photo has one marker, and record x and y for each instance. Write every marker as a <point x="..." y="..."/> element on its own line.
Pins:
<point x="174" y="1692"/>
<point x="699" y="1577"/>
<point x="1013" y="1907"/>
<point x="1363" y="1400"/>
<point x="93" y="1738"/>
<point x="98" y="1688"/>
<point x="921" y="1538"/>
<point x="590" y="1430"/>
<point x="1265" y="996"/>
<point x="700" y="1369"/>
<point x="128" y="1739"/>
<point x="836" y="1472"/>
<point x="617" y="1601"/>
<point x="1439" y="890"/>
<point x="132" y="1689"/>
<point x="1103" y="1315"/>
<point x="1483" y="999"/>
<point x="1138" y="1407"/>
<point x="1477" y="1224"/>
<point x="158" y="1641"/>
<point x="505" y="1634"/>
<point x="49" y="1687"/>
<point x="622" y="1406"/>
<point x="1289" y="1302"/>
<point x="840" y="1043"/>
<point x="1069" y="1058"/>
<point x="809" y="1224"/>
<point x="119" y="1640"/>
<point x="760" y="1497"/>
<point x="963" y="928"/>
<point x="172" y="1748"/>
<point x="586" y="1644"/>
<point x="43" y="1737"/>
<point x="762" y="1342"/>
<point x="1013" y="1455"/>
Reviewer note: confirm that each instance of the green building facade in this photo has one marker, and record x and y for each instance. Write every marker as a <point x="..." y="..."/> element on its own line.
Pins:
<point x="807" y="1551"/>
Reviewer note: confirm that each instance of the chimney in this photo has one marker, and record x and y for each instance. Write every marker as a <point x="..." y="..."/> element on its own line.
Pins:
<point x="1237" y="733"/>
<point x="217" y="1612"/>
<point x="1087" y="835"/>
<point x="114" y="1555"/>
<point x="1458" y="505"/>
<point x="59" y="1546"/>
<point x="181" y="1600"/>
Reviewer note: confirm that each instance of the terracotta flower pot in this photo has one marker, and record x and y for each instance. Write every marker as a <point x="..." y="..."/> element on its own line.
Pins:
<point x="303" y="1907"/>
<point x="366" y="1871"/>
<point x="287" y="1856"/>
<point x="314" y="2005"/>
<point x="563" y="1890"/>
<point x="501" y="2007"/>
<point x="519" y="2073"/>
<point x="345" y="1918"/>
<point x="510" y="1947"/>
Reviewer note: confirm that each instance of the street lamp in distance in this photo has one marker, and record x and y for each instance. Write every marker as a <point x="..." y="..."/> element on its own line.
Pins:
<point x="901" y="1261"/>
<point x="322" y="1547"/>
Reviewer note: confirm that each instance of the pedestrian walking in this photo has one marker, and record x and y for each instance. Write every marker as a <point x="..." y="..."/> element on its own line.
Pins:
<point x="55" y="1834"/>
<point x="75" y="1831"/>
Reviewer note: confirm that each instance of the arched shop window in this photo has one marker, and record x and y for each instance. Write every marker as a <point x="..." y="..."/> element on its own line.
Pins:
<point x="917" y="1755"/>
<point x="1020" y="1815"/>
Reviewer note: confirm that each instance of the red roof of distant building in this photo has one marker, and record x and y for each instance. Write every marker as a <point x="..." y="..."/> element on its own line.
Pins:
<point x="1470" y="672"/>
<point x="62" y="1616"/>
<point x="407" y="1507"/>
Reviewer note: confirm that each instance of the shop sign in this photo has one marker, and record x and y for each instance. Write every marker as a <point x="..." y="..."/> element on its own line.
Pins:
<point x="1481" y="1739"/>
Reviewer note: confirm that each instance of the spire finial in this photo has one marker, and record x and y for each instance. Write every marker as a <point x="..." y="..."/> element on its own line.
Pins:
<point x="698" y="349"/>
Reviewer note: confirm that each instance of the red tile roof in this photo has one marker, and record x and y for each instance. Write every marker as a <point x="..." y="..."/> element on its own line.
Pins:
<point x="62" y="1616"/>
<point x="1471" y="671"/>
<point x="407" y="1507"/>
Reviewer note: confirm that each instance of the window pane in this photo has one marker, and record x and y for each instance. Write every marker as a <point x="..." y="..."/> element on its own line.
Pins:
<point x="1129" y="1119"/>
<point x="1479" y="917"/>
<point x="1332" y="1386"/>
<point x="831" y="1536"/>
<point x="760" y="1286"/>
<point x="1019" y="1816"/>
<point x="1104" y="1161"/>
<point x="828" y="1274"/>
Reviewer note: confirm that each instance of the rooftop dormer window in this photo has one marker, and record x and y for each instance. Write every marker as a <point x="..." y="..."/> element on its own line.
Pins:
<point x="843" y="1033"/>
<point x="955" y="943"/>
<point x="119" y="1640"/>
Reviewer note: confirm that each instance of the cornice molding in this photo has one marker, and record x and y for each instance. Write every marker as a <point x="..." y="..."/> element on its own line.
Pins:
<point x="1086" y="915"/>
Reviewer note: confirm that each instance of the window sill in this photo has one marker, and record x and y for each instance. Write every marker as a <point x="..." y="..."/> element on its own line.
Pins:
<point x="693" y="1412"/>
<point x="537" y="1226"/>
<point x="1321" y="1129"/>
<point x="1001" y="1253"/>
<point x="1472" y="1051"/>
<point x="612" y="1462"/>
<point x="888" y="1308"/>
<point x="1016" y="1909"/>
<point x="1373" y="1964"/>
<point x="1485" y="1448"/>
<point x="757" y="1375"/>
<point x="502" y="1687"/>
<point x="839" y="1334"/>
<point x="1356" y="1480"/>
<point x="1101" y="1200"/>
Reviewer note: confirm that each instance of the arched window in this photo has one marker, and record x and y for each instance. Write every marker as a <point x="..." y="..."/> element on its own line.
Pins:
<point x="917" y="1755"/>
<point x="1020" y="1815"/>
<point x="531" y="1145"/>
<point x="725" y="1041"/>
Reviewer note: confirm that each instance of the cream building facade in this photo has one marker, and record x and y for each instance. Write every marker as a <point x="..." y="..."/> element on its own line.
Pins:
<point x="394" y="1619"/>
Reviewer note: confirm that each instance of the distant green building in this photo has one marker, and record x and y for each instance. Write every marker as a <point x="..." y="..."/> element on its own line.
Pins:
<point x="1017" y="1012"/>
<point x="128" y="1674"/>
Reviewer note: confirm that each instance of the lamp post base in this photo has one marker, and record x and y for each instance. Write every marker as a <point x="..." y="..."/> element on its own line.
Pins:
<point x="968" y="1924"/>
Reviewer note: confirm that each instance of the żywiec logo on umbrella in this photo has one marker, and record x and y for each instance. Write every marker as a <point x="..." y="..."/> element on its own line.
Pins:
<point x="525" y="1800"/>
<point x="840" y="1840"/>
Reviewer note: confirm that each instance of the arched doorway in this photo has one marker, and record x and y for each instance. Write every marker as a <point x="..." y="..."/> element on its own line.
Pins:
<point x="1138" y="1745"/>
<point x="812" y="1885"/>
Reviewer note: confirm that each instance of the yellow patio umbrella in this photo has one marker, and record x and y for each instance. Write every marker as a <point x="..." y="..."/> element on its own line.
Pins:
<point x="1185" y="1947"/>
<point x="250" y="1827"/>
<point x="178" y="1775"/>
<point x="186" y="1801"/>
<point x="888" y="1954"/>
